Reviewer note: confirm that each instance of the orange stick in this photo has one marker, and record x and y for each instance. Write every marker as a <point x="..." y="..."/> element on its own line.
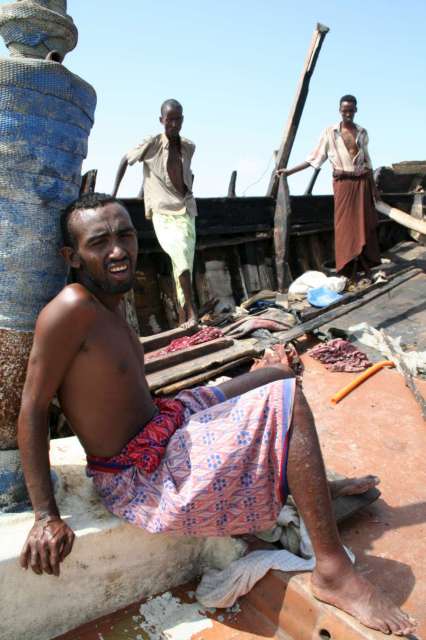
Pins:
<point x="360" y="379"/>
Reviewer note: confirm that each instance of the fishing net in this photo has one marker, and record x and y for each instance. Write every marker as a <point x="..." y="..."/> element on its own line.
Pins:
<point x="32" y="28"/>
<point x="46" y="114"/>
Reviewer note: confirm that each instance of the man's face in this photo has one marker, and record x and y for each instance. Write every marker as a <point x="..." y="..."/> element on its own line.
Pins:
<point x="106" y="249"/>
<point x="172" y="120"/>
<point x="347" y="111"/>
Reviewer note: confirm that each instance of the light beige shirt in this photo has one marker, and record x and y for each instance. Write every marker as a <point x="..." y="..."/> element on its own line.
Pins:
<point x="160" y="194"/>
<point x="332" y="147"/>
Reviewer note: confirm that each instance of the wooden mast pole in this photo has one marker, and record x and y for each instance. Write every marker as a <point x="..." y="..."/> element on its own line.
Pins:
<point x="298" y="105"/>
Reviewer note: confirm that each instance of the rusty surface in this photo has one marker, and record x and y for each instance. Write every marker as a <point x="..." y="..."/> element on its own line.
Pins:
<point x="15" y="348"/>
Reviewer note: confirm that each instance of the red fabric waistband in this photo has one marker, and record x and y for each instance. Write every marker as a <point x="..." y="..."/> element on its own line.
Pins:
<point x="148" y="447"/>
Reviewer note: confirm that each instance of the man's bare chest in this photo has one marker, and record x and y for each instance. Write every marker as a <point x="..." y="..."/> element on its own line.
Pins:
<point x="349" y="140"/>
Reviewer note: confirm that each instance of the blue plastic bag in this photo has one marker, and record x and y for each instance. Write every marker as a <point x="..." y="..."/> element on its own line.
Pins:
<point x="322" y="297"/>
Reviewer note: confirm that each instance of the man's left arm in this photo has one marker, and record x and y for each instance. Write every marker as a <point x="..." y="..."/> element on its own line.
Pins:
<point x="369" y="165"/>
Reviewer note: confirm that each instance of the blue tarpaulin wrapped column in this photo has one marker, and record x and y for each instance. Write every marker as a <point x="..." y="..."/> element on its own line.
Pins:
<point x="46" y="114"/>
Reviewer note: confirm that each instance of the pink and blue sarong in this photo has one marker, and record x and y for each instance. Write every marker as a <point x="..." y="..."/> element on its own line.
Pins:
<point x="223" y="471"/>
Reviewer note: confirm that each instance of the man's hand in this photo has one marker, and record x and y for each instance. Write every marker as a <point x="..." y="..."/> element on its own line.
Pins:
<point x="48" y="544"/>
<point x="282" y="172"/>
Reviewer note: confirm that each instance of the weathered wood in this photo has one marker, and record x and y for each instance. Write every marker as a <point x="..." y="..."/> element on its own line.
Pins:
<point x="355" y="295"/>
<point x="299" y="102"/>
<point x="211" y="374"/>
<point x="409" y="380"/>
<point x="171" y="359"/>
<point x="312" y="182"/>
<point x="281" y="235"/>
<point x="130" y="311"/>
<point x="160" y="340"/>
<point x="88" y="181"/>
<point x="341" y="310"/>
<point x="232" y="185"/>
<point x="242" y="348"/>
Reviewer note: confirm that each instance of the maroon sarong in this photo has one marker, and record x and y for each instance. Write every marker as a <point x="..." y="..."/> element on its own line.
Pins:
<point x="355" y="220"/>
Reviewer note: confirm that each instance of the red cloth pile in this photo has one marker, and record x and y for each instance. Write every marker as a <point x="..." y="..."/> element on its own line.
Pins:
<point x="204" y="335"/>
<point x="340" y="355"/>
<point x="281" y="354"/>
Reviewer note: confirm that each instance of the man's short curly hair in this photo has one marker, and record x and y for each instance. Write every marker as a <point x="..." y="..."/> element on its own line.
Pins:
<point x="348" y="98"/>
<point x="85" y="201"/>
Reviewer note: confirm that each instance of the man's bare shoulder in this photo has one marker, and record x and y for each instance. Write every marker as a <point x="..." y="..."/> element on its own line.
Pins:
<point x="74" y="307"/>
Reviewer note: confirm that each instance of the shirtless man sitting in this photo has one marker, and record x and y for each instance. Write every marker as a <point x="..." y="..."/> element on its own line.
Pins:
<point x="213" y="461"/>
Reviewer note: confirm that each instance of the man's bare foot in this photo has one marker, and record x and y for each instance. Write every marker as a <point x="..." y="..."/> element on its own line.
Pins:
<point x="352" y="486"/>
<point x="336" y="582"/>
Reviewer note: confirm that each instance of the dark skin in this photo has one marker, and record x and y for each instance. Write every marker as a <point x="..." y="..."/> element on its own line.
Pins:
<point x="84" y="326"/>
<point x="172" y="121"/>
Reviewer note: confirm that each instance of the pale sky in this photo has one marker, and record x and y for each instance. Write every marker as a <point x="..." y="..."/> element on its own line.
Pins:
<point x="234" y="65"/>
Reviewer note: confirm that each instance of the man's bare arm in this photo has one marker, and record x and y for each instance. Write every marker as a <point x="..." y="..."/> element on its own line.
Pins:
<point x="120" y="174"/>
<point x="60" y="331"/>
<point x="295" y="169"/>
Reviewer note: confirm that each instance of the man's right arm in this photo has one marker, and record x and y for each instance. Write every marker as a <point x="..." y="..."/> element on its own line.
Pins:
<point x="60" y="331"/>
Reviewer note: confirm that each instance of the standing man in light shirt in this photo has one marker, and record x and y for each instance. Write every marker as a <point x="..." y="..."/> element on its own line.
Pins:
<point x="345" y="145"/>
<point x="169" y="201"/>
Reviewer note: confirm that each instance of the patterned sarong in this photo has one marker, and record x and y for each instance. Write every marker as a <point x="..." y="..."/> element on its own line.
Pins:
<point x="223" y="472"/>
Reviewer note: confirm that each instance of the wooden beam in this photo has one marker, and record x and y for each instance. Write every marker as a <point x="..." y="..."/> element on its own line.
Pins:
<point x="171" y="359"/>
<point x="312" y="182"/>
<point x="329" y="316"/>
<point x="88" y="181"/>
<point x="298" y="105"/>
<point x="409" y="380"/>
<point x="211" y="374"/>
<point x="240" y="349"/>
<point x="281" y="235"/>
<point x="232" y="185"/>
<point x="160" y="340"/>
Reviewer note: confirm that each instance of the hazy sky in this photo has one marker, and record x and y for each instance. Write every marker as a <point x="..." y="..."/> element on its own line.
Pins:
<point x="235" y="64"/>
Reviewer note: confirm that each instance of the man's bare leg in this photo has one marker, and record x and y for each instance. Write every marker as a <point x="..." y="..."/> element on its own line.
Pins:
<point x="188" y="315"/>
<point x="334" y="580"/>
<point x="259" y="377"/>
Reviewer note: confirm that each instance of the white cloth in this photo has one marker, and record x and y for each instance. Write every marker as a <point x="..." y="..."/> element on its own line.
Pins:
<point x="331" y="146"/>
<point x="223" y="588"/>
<point x="314" y="279"/>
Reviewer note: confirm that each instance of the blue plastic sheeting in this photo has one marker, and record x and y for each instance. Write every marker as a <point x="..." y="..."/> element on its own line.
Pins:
<point x="322" y="297"/>
<point x="46" y="114"/>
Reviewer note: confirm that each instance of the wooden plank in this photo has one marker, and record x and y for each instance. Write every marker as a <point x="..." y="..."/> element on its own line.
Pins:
<point x="201" y="377"/>
<point x="160" y="340"/>
<point x="281" y="235"/>
<point x="171" y="359"/>
<point x="329" y="316"/>
<point x="409" y="380"/>
<point x="232" y="185"/>
<point x="299" y="102"/>
<point x="242" y="348"/>
<point x="310" y="313"/>
<point x="311" y="183"/>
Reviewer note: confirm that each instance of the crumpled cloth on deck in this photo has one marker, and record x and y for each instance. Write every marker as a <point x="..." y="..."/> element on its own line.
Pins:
<point x="340" y="355"/>
<point x="222" y="588"/>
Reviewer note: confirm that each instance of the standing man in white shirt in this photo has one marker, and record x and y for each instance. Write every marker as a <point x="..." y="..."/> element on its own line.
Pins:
<point x="345" y="145"/>
<point x="168" y="198"/>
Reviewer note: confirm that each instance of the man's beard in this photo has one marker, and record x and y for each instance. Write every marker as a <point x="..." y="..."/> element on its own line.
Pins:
<point x="103" y="286"/>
